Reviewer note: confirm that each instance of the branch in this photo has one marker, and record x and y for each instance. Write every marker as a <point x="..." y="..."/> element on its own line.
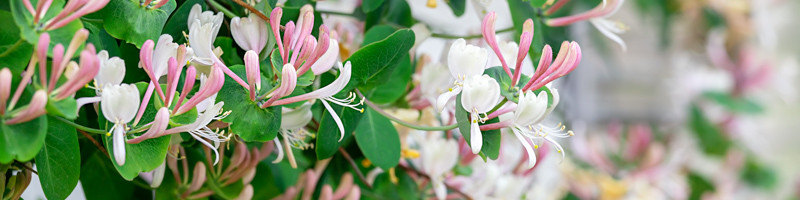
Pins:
<point x="404" y="123"/>
<point x="252" y="10"/>
<point x="355" y="167"/>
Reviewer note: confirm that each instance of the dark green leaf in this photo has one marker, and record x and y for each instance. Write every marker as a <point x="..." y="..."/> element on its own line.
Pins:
<point x="328" y="135"/>
<point x="59" y="161"/>
<point x="229" y="55"/>
<point x="521" y="11"/>
<point x="248" y="119"/>
<point x="458" y="6"/>
<point x="127" y="20"/>
<point x="711" y="139"/>
<point x="759" y="175"/>
<point x="100" y="181"/>
<point x="22" y="141"/>
<point x="377" y="33"/>
<point x="370" y="60"/>
<point x="491" y="138"/>
<point x="395" y="86"/>
<point x="698" y="185"/>
<point x="16" y="59"/>
<point x="371" y="5"/>
<point x="177" y="23"/>
<point x="378" y="139"/>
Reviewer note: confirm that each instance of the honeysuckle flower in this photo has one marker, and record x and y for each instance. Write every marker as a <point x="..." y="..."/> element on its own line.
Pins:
<point x="528" y="127"/>
<point x="479" y="96"/>
<point x="437" y="156"/>
<point x="112" y="71"/>
<point x="431" y="82"/>
<point x="71" y="11"/>
<point x="464" y="61"/>
<point x="164" y="49"/>
<point x="598" y="17"/>
<point x="119" y="105"/>
<point x="203" y="30"/>
<point x="567" y="60"/>
<point x="301" y="49"/>
<point x="249" y="32"/>
<point x="508" y="52"/>
<point x="294" y="136"/>
<point x="253" y="70"/>
<point x="89" y="66"/>
<point x="34" y="109"/>
<point x="61" y="58"/>
<point x="325" y="95"/>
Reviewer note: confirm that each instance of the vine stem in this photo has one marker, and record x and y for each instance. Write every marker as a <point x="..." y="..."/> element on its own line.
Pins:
<point x="252" y="10"/>
<point x="9" y="50"/>
<point x="355" y="167"/>
<point x="445" y="36"/>
<point x="222" y="9"/>
<point x="334" y="13"/>
<point x="81" y="127"/>
<point x="404" y="123"/>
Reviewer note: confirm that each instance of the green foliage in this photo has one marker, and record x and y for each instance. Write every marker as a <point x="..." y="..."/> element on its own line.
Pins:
<point x="458" y="6"/>
<point x="67" y="108"/>
<point x="374" y="58"/>
<point x="30" y="31"/>
<point x="14" y="51"/>
<point x="698" y="186"/>
<point x="59" y="161"/>
<point x="378" y="139"/>
<point x="328" y="134"/>
<point x="135" y="24"/>
<point x="711" y="139"/>
<point x="734" y="104"/>
<point x="22" y="141"/>
<point x="249" y="121"/>
<point x="99" y="180"/>
<point x="371" y="5"/>
<point x="759" y="175"/>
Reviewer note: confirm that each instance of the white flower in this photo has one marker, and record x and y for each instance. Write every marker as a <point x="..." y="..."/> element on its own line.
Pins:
<point x="328" y="59"/>
<point x="294" y="136"/>
<point x="437" y="156"/>
<point x="464" y="61"/>
<point x="203" y="29"/>
<point x="528" y="127"/>
<point x="164" y="49"/>
<point x="119" y="104"/>
<point x="480" y="95"/>
<point x="199" y="128"/>
<point x="431" y="81"/>
<point x="112" y="71"/>
<point x="296" y="118"/>
<point x="249" y="32"/>
<point x="421" y="33"/>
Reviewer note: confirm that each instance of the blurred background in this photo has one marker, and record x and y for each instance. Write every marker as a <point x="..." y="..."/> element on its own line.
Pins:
<point x="701" y="102"/>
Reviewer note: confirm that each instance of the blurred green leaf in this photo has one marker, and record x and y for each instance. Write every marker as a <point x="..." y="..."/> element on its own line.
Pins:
<point x="711" y="139"/>
<point x="698" y="185"/>
<point x="371" y="5"/>
<point x="99" y="180"/>
<point x="759" y="175"/>
<point x="59" y="161"/>
<point x="10" y="38"/>
<point x="734" y="104"/>
<point x="491" y="138"/>
<point x="458" y="6"/>
<point x="378" y="139"/>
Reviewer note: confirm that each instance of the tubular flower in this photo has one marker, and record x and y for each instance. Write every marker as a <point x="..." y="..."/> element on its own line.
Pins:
<point x="598" y="17"/>
<point x="325" y="94"/>
<point x="35" y="109"/>
<point x="480" y="95"/>
<point x="112" y="71"/>
<point x="464" y="62"/>
<point x="119" y="106"/>
<point x="527" y="124"/>
<point x="437" y="157"/>
<point x="249" y="32"/>
<point x="567" y="60"/>
<point x="294" y="136"/>
<point x="301" y="49"/>
<point x="508" y="52"/>
<point x="203" y="30"/>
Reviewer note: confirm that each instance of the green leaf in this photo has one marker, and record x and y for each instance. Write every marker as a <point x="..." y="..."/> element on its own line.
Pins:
<point x="143" y="157"/>
<point x="67" y="108"/>
<point x="538" y="3"/>
<point x="759" y="175"/>
<point x="378" y="139"/>
<point x="59" y="161"/>
<point x="248" y="119"/>
<point x="458" y="6"/>
<point x="101" y="39"/>
<point x="100" y="181"/>
<point x="491" y="138"/>
<point x="30" y="31"/>
<point x="305" y="80"/>
<point x="734" y="104"/>
<point x="377" y="33"/>
<point x="328" y="135"/>
<point x="698" y="186"/>
<point x="186" y="118"/>
<point x="126" y="20"/>
<point x="711" y="139"/>
<point x="229" y="55"/>
<point x="371" y="5"/>
<point x="265" y="181"/>
<point x="10" y="38"/>
<point x="22" y="141"/>
<point x="370" y="60"/>
<point x="405" y="189"/>
<point x="395" y="86"/>
<point x="521" y="11"/>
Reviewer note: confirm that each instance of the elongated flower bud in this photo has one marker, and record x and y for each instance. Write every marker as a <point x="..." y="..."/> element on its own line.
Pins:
<point x="156" y="129"/>
<point x="35" y="109"/>
<point x="41" y="54"/>
<point x="288" y="83"/>
<point x="89" y="67"/>
<point x="5" y="88"/>
<point x="214" y="84"/>
<point x="249" y="32"/>
<point x="253" y="70"/>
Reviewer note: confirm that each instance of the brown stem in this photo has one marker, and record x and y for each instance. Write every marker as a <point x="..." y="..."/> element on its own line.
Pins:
<point x="355" y="167"/>
<point x="97" y="144"/>
<point x="252" y="10"/>
<point x="451" y="188"/>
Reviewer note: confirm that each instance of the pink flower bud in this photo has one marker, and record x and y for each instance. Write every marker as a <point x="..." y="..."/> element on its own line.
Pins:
<point x="275" y="24"/>
<point x="487" y="27"/>
<point x="56" y="68"/>
<point x="5" y="88"/>
<point x="288" y="83"/>
<point x="215" y="81"/>
<point x="35" y="109"/>
<point x="156" y="129"/>
<point x="146" y="60"/>
<point x="173" y="75"/>
<point x="89" y="66"/>
<point x="41" y="54"/>
<point x="191" y="75"/>
<point x="253" y="72"/>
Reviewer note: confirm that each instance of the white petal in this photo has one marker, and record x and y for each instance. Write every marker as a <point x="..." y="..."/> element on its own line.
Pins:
<point x="441" y="102"/>
<point x="335" y="119"/>
<point x="527" y="146"/>
<point x="609" y="34"/>
<point x="280" y="150"/>
<point x="328" y="59"/>
<point x="212" y="147"/>
<point x="158" y="175"/>
<point x="476" y="138"/>
<point x="439" y="188"/>
<point x="119" y="144"/>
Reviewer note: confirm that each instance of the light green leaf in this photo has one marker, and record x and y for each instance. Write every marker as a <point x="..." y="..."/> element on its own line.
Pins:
<point x="143" y="157"/>
<point x="370" y="60"/>
<point x="734" y="104"/>
<point x="67" y="108"/>
<point x="10" y="38"/>
<point x="371" y="5"/>
<point x="711" y="139"/>
<point x="30" y="31"/>
<point x="22" y="141"/>
<point x="328" y="135"/>
<point x="59" y="161"/>
<point x="378" y="139"/>
<point x="127" y="20"/>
